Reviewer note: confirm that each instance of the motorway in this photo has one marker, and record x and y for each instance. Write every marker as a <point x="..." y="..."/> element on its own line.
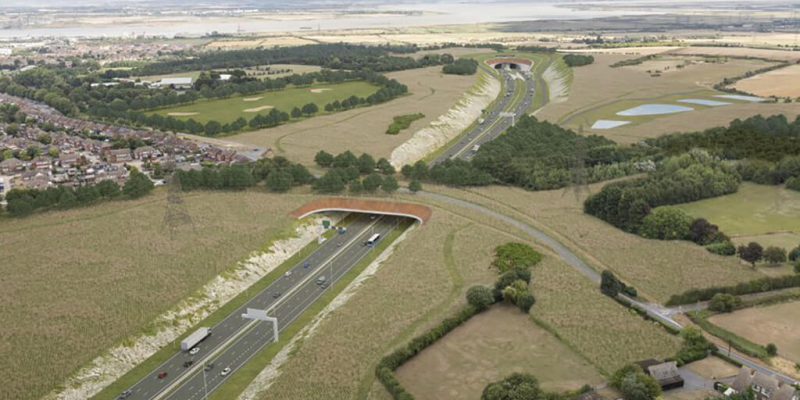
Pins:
<point x="235" y="340"/>
<point x="517" y="99"/>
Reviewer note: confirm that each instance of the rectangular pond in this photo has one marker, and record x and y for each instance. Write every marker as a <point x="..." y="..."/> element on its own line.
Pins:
<point x="704" y="102"/>
<point x="608" y="124"/>
<point x="752" y="99"/>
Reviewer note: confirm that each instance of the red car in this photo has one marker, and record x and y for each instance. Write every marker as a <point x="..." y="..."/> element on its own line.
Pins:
<point x="162" y="374"/>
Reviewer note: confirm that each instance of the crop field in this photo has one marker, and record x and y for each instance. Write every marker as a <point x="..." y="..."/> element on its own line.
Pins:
<point x="776" y="324"/>
<point x="78" y="282"/>
<point x="783" y="82"/>
<point x="364" y="129"/>
<point x="656" y="268"/>
<point x="598" y="92"/>
<point x="229" y="109"/>
<point x="462" y="363"/>
<point x="767" y="214"/>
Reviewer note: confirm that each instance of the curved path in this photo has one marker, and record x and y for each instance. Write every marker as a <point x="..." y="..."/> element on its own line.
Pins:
<point x="655" y="311"/>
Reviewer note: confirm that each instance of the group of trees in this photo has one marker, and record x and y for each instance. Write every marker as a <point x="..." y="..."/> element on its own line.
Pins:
<point x="755" y="286"/>
<point x="278" y="174"/>
<point x="635" y="384"/>
<point x="462" y="66"/>
<point x="538" y="155"/>
<point x="689" y="177"/>
<point x="612" y="286"/>
<point x="695" y="346"/>
<point x="345" y="170"/>
<point x="518" y="386"/>
<point x="577" y="60"/>
<point x="514" y="261"/>
<point x="754" y="252"/>
<point x="23" y="202"/>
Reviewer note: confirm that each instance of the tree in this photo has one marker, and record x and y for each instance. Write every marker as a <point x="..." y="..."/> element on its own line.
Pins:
<point x="703" y="232"/>
<point x="331" y="182"/>
<point x="415" y="186"/>
<point x="310" y="109"/>
<point x="775" y="255"/>
<point x="279" y="181"/>
<point x="634" y="384"/>
<point x="345" y="159"/>
<point x="515" y="387"/>
<point x="390" y="184"/>
<point x="372" y="182"/>
<point x="323" y="159"/>
<point x="296" y="113"/>
<point x="751" y="253"/>
<point x="667" y="223"/>
<point x="385" y="167"/>
<point x="355" y="187"/>
<point x="772" y="350"/>
<point x="480" y="297"/>
<point x="212" y="128"/>
<point x="794" y="255"/>
<point x="609" y="284"/>
<point x="138" y="185"/>
<point x="366" y="164"/>
<point x="724" y="302"/>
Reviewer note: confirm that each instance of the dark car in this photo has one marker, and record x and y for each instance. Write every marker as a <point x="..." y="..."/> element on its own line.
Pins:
<point x="276" y="295"/>
<point x="125" y="394"/>
<point x="209" y="366"/>
<point x="188" y="364"/>
<point x="162" y="374"/>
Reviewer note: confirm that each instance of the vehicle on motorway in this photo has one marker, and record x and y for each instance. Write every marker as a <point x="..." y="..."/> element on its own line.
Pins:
<point x="321" y="280"/>
<point x="324" y="285"/>
<point x="225" y="371"/>
<point x="306" y="264"/>
<point x="276" y="295"/>
<point x="372" y="240"/>
<point x="187" y="364"/>
<point x="288" y="273"/>
<point x="125" y="394"/>
<point x="481" y="120"/>
<point x="194" y="350"/>
<point x="209" y="367"/>
<point x="162" y="374"/>
<point x="476" y="148"/>
<point x="195" y="338"/>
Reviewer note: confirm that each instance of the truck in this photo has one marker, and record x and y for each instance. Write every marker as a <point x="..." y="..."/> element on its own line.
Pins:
<point x="195" y="338"/>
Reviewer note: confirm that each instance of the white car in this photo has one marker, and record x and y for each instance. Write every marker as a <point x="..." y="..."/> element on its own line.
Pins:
<point x="288" y="273"/>
<point x="225" y="371"/>
<point x="194" y="350"/>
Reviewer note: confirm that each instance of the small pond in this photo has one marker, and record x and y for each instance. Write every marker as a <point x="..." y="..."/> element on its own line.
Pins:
<point x="608" y="124"/>
<point x="653" y="109"/>
<point x="704" y="102"/>
<point x="740" y="97"/>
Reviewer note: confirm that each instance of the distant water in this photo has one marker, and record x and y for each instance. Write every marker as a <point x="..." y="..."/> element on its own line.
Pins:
<point x="704" y="102"/>
<point x="653" y="109"/>
<point x="421" y="14"/>
<point x="608" y="124"/>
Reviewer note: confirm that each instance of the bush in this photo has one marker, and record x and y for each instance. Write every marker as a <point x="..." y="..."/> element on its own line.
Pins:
<point x="515" y="255"/>
<point x="516" y="386"/>
<point x="609" y="284"/>
<point x="725" y="248"/>
<point x="415" y="186"/>
<point x="793" y="183"/>
<point x="772" y="350"/>
<point x="525" y="301"/>
<point x="775" y="255"/>
<point x="724" y="302"/>
<point x="634" y="384"/>
<point x="480" y="297"/>
<point x="794" y="255"/>
<point x="695" y="346"/>
<point x="630" y="291"/>
<point x="577" y="60"/>
<point x="138" y="185"/>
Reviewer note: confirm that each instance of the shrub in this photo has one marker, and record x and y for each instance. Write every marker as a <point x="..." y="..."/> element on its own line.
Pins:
<point x="525" y="301"/>
<point x="577" y="60"/>
<point x="793" y="183"/>
<point x="480" y="297"/>
<point x="415" y="186"/>
<point x="725" y="248"/>
<point x="515" y="386"/>
<point x="724" y="302"/>
<point x="772" y="350"/>
<point x="515" y="255"/>
<point x="609" y="284"/>
<point x="635" y="384"/>
<point x="775" y="255"/>
<point x="630" y="291"/>
<point x="695" y="346"/>
<point x="794" y="255"/>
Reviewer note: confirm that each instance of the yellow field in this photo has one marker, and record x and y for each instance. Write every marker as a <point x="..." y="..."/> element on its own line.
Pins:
<point x="776" y="324"/>
<point x="77" y="282"/>
<point x="363" y="129"/>
<point x="477" y="353"/>
<point x="598" y="92"/>
<point x="784" y="82"/>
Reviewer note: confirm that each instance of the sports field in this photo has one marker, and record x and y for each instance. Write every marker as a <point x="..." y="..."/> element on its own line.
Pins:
<point x="229" y="109"/>
<point x="776" y="324"/>
<point x="477" y="353"/>
<point x="75" y="283"/>
<point x="769" y="215"/>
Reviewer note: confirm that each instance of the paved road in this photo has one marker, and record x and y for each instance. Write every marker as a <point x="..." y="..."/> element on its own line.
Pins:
<point x="235" y="340"/>
<point x="494" y="124"/>
<point x="653" y="310"/>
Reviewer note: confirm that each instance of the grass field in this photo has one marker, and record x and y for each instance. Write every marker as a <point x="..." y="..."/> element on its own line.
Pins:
<point x="78" y="282"/>
<point x="489" y="347"/>
<point x="230" y="109"/>
<point x="776" y="324"/>
<point x="364" y="129"/>
<point x="769" y="215"/>
<point x="598" y="92"/>
<point x="657" y="268"/>
<point x="784" y="82"/>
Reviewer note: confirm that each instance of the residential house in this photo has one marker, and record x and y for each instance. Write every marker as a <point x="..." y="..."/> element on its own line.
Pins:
<point x="41" y="163"/>
<point x="119" y="156"/>
<point x="144" y="153"/>
<point x="666" y="373"/>
<point x="764" y="387"/>
<point x="11" y="166"/>
<point x="67" y="160"/>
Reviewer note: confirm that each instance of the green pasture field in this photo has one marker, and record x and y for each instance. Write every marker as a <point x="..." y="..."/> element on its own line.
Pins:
<point x="760" y="211"/>
<point x="229" y="109"/>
